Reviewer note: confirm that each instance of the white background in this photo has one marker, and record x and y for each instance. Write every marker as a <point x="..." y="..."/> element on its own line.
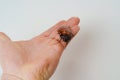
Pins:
<point x="94" y="54"/>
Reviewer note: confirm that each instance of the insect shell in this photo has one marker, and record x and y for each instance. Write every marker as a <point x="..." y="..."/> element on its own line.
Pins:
<point x="65" y="34"/>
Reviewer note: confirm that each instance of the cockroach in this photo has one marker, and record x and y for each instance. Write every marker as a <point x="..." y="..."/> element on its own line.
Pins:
<point x="65" y="34"/>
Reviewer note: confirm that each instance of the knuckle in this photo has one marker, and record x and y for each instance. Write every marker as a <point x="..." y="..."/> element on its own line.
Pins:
<point x="3" y="36"/>
<point x="1" y="33"/>
<point x="62" y="22"/>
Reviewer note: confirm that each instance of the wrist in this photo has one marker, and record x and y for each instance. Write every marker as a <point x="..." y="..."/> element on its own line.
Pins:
<point x="6" y="76"/>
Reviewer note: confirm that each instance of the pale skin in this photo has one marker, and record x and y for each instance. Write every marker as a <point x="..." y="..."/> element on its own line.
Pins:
<point x="37" y="58"/>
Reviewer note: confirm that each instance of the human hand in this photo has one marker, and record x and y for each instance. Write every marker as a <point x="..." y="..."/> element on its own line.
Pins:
<point x="37" y="58"/>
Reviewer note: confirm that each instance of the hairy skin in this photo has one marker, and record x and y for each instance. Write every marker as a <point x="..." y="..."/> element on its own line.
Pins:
<point x="34" y="59"/>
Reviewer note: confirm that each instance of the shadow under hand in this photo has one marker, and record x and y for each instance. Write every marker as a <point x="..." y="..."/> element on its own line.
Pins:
<point x="75" y="56"/>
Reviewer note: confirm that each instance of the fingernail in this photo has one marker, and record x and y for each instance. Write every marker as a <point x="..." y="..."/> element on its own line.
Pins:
<point x="74" y="21"/>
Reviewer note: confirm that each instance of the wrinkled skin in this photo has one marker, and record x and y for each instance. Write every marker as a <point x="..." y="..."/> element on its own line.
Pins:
<point x="37" y="58"/>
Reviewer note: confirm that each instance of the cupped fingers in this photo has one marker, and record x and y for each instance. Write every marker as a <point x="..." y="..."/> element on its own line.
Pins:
<point x="60" y="42"/>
